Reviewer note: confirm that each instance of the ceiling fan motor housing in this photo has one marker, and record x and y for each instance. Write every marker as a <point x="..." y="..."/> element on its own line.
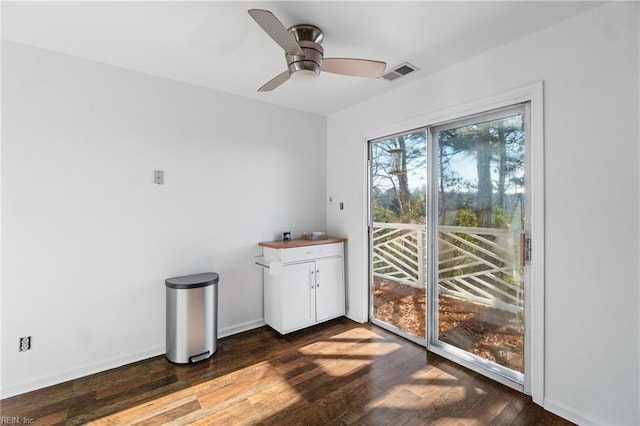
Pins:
<point x="309" y="39"/>
<point x="305" y="55"/>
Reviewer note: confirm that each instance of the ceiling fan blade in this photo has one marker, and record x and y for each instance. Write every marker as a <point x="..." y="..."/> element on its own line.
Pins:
<point x="354" y="67"/>
<point x="278" y="32"/>
<point x="275" y="82"/>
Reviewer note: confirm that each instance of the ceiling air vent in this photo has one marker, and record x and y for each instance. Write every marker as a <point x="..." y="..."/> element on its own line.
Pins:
<point x="400" y="71"/>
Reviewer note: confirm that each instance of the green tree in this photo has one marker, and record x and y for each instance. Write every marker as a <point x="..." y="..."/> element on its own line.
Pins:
<point x="494" y="145"/>
<point x="393" y="164"/>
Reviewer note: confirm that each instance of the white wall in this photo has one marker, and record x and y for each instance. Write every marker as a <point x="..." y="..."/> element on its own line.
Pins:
<point x="589" y="66"/>
<point x="88" y="239"/>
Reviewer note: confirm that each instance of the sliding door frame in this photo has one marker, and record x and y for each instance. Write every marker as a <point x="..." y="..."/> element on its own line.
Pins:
<point x="490" y="369"/>
<point x="370" y="225"/>
<point x="534" y="310"/>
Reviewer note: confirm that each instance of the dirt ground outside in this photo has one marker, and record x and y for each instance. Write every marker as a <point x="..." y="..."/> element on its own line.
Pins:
<point x="488" y="332"/>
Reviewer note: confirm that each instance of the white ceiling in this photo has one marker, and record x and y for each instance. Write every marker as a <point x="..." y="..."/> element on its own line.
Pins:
<point x="219" y="46"/>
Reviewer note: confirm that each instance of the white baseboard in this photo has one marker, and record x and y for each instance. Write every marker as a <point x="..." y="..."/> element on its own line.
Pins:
<point x="239" y="328"/>
<point x="356" y="318"/>
<point x="89" y="369"/>
<point x="573" y="415"/>
<point x="75" y="373"/>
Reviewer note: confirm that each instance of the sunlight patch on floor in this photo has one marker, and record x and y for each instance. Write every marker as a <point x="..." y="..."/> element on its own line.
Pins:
<point x="148" y="409"/>
<point x="361" y="344"/>
<point x="341" y="367"/>
<point x="359" y="333"/>
<point x="358" y="350"/>
<point x="212" y="399"/>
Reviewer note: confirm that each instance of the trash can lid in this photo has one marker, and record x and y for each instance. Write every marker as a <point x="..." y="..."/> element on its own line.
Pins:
<point x="192" y="281"/>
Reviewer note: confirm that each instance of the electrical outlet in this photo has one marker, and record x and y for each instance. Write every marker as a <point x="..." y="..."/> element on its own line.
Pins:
<point x="25" y="343"/>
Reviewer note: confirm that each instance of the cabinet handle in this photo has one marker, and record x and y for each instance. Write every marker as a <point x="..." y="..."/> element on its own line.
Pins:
<point x="317" y="278"/>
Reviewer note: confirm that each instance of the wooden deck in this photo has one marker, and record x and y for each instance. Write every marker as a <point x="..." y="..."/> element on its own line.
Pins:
<point x="490" y="333"/>
<point x="340" y="372"/>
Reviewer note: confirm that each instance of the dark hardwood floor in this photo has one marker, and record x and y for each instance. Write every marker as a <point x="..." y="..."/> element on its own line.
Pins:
<point x="340" y="372"/>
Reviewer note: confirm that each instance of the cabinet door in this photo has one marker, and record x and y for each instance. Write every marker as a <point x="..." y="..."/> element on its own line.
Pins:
<point x="329" y="288"/>
<point x="298" y="296"/>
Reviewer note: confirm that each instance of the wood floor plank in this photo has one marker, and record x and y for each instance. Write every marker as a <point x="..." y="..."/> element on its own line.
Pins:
<point x="148" y="409"/>
<point x="354" y="393"/>
<point x="212" y="416"/>
<point x="487" y="400"/>
<point x="339" y="372"/>
<point x="176" y="412"/>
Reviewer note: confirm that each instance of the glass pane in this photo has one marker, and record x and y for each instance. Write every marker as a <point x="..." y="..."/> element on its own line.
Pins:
<point x="480" y="224"/>
<point x="398" y="204"/>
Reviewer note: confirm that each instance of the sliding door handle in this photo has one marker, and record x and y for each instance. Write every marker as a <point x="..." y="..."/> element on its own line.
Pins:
<point x="525" y="249"/>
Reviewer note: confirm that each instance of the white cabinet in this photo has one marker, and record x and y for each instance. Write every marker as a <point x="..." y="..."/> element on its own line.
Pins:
<point x="298" y="298"/>
<point x="303" y="285"/>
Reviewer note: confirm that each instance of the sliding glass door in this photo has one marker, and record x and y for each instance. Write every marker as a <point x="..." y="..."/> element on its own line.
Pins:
<point x="398" y="233"/>
<point x="479" y="241"/>
<point x="448" y="239"/>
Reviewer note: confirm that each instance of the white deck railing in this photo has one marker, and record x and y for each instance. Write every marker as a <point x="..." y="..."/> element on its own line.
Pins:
<point x="475" y="264"/>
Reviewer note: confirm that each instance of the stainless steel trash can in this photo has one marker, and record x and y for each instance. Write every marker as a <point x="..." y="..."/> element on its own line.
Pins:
<point x="192" y="317"/>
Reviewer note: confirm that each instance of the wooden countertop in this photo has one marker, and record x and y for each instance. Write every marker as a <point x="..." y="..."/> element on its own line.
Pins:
<point x="300" y="243"/>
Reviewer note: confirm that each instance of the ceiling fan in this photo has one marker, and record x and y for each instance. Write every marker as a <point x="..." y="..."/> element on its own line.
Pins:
<point x="304" y="54"/>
